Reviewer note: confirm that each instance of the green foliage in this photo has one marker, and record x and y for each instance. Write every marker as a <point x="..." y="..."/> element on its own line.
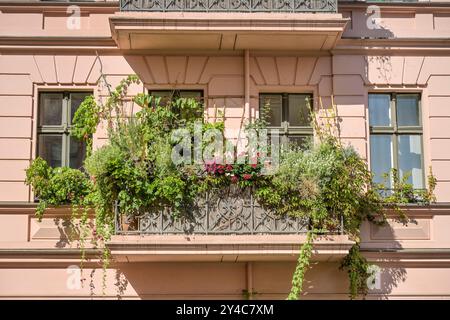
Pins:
<point x="302" y="265"/>
<point x="85" y="121"/>
<point x="56" y="186"/>
<point x="357" y="269"/>
<point x="323" y="182"/>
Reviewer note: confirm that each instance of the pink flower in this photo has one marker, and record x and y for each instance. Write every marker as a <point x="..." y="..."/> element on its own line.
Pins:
<point x="254" y="165"/>
<point x="229" y="167"/>
<point x="234" y="179"/>
<point x="247" y="176"/>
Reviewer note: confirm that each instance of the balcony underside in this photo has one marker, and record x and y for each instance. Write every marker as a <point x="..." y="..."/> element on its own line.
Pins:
<point x="218" y="31"/>
<point x="224" y="248"/>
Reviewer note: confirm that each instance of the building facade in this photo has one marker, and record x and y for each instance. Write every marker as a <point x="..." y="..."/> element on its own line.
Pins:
<point x="385" y="65"/>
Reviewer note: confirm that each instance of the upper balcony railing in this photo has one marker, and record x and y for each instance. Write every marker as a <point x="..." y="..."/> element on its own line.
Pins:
<point x="293" y="6"/>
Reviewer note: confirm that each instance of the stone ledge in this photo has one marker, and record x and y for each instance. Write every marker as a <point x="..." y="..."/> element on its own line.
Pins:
<point x="224" y="248"/>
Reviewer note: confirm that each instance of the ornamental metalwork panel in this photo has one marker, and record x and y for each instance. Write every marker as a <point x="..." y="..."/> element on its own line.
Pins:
<point x="293" y="6"/>
<point x="232" y="211"/>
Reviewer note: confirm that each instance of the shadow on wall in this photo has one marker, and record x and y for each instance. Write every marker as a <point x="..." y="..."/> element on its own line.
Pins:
<point x="369" y="24"/>
<point x="391" y="277"/>
<point x="69" y="231"/>
<point x="180" y="280"/>
<point x="369" y="27"/>
<point x="392" y="273"/>
<point x="66" y="232"/>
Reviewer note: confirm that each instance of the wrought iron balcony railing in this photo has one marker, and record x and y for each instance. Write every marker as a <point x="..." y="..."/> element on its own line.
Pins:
<point x="232" y="212"/>
<point x="294" y="6"/>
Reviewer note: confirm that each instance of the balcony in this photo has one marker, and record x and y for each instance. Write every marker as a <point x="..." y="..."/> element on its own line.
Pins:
<point x="230" y="213"/>
<point x="227" y="25"/>
<point x="230" y="226"/>
<point x="293" y="6"/>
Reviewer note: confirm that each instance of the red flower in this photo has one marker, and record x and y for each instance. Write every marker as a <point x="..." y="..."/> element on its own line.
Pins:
<point x="234" y="179"/>
<point x="254" y="165"/>
<point x="229" y="167"/>
<point x="247" y="176"/>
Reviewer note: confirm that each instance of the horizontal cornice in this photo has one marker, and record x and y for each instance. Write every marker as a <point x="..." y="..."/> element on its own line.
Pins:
<point x="54" y="43"/>
<point x="393" y="46"/>
<point x="420" y="257"/>
<point x="39" y="6"/>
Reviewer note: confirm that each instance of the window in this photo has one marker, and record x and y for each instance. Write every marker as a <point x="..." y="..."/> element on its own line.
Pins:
<point x="289" y="112"/>
<point x="396" y="136"/>
<point x="55" y="144"/>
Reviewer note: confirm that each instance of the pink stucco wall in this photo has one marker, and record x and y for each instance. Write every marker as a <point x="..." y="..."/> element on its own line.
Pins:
<point x="37" y="52"/>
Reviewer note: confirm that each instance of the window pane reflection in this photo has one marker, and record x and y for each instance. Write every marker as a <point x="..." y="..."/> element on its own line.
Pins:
<point x="299" y="114"/>
<point x="77" y="153"/>
<point x="274" y="103"/>
<point x="408" y="110"/>
<point x="380" y="110"/>
<point x="50" y="109"/>
<point x="50" y="148"/>
<point x="381" y="157"/>
<point x="410" y="159"/>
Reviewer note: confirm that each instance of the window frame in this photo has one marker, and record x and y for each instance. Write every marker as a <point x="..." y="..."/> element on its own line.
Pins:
<point x="395" y="131"/>
<point x="287" y="130"/>
<point x="64" y="129"/>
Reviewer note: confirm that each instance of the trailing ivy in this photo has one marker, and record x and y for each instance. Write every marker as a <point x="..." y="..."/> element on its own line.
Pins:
<point x="357" y="268"/>
<point x="302" y="266"/>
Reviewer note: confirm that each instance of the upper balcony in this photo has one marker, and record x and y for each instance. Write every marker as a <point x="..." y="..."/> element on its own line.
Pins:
<point x="292" y="6"/>
<point x="231" y="25"/>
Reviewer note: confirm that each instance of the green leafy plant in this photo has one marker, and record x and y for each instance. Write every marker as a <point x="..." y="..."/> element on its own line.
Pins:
<point x="56" y="186"/>
<point x="302" y="265"/>
<point x="357" y="268"/>
<point x="85" y="121"/>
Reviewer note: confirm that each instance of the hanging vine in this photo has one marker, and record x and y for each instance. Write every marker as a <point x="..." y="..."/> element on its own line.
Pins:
<point x="302" y="266"/>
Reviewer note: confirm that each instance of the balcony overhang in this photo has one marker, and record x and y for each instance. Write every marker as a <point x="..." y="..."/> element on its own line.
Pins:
<point x="219" y="31"/>
<point x="224" y="248"/>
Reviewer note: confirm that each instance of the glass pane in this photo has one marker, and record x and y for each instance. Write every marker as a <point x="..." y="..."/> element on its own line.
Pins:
<point x="410" y="159"/>
<point x="381" y="160"/>
<point x="300" y="141"/>
<point x="165" y="95"/>
<point x="50" y="109"/>
<point x="299" y="112"/>
<point x="50" y="148"/>
<point x="274" y="102"/>
<point x="380" y="110"/>
<point x="75" y="100"/>
<point x="191" y="94"/>
<point x="408" y="110"/>
<point x="77" y="153"/>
